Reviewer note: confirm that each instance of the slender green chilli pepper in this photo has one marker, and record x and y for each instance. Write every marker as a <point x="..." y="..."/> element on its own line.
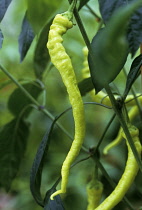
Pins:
<point x="94" y="193"/>
<point x="128" y="176"/>
<point x="132" y="114"/>
<point x="114" y="143"/>
<point x="62" y="62"/>
<point x="85" y="70"/>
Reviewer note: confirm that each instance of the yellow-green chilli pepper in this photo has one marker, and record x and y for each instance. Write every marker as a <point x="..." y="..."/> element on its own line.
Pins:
<point x="62" y="62"/>
<point x="114" y="143"/>
<point x="94" y="193"/>
<point x="85" y="70"/>
<point x="128" y="176"/>
<point x="132" y="114"/>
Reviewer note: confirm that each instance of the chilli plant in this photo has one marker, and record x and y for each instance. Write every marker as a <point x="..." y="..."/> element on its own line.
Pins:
<point x="71" y="115"/>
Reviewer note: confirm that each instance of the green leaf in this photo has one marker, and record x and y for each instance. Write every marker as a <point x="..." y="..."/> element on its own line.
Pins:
<point x="38" y="163"/>
<point x="85" y="86"/>
<point x="110" y="48"/>
<point x="1" y="38"/>
<point x="133" y="74"/>
<point x="13" y="141"/>
<point x="25" y="38"/>
<point x="4" y="4"/>
<point x="134" y="33"/>
<point x="41" y="55"/>
<point x="41" y="11"/>
<point x="36" y="171"/>
<point x="18" y="101"/>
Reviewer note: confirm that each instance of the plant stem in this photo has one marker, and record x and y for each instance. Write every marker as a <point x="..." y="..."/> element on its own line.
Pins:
<point x="83" y="32"/>
<point x="19" y="85"/>
<point x="93" y="13"/>
<point x="104" y="133"/>
<point x="123" y="124"/>
<point x="137" y="102"/>
<point x="134" y="94"/>
<point x="81" y="160"/>
<point x="72" y="6"/>
<point x="45" y="111"/>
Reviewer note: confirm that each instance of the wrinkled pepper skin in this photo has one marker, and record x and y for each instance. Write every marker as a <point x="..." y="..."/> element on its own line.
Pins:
<point x="94" y="194"/>
<point x="62" y="62"/>
<point x="128" y="176"/>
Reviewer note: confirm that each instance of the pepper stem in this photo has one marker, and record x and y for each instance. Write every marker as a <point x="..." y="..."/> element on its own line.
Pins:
<point x="72" y="6"/>
<point x="69" y="12"/>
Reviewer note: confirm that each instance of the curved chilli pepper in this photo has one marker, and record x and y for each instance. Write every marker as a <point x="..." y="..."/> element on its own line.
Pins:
<point x="128" y="176"/>
<point x="132" y="114"/>
<point x="94" y="191"/>
<point x="62" y="62"/>
<point x="114" y="143"/>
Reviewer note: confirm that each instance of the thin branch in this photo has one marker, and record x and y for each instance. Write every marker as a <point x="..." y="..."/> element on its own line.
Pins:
<point x="94" y="13"/>
<point x="134" y="94"/>
<point x="105" y="131"/>
<point x="34" y="101"/>
<point x="124" y="125"/>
